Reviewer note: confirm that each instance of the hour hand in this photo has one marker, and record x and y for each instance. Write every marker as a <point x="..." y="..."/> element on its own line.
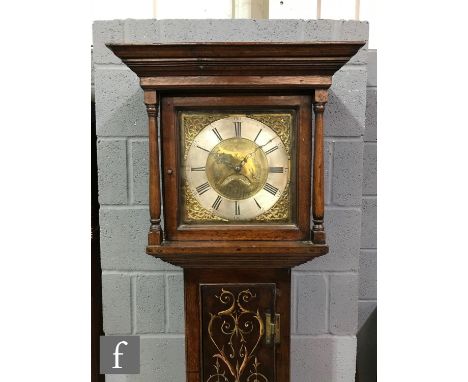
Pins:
<point x="244" y="161"/>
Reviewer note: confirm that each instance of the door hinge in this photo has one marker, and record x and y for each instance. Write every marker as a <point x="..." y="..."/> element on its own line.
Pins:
<point x="272" y="329"/>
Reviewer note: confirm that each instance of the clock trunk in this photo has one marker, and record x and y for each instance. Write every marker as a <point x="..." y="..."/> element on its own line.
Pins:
<point x="238" y="325"/>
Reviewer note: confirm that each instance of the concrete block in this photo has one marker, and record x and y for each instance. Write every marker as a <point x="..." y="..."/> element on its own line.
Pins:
<point x="175" y="303"/>
<point x="365" y="309"/>
<point x="372" y="67"/>
<point x="116" y="311"/>
<point x="123" y="240"/>
<point x="274" y="30"/>
<point x="140" y="172"/>
<point x="120" y="110"/>
<point x="369" y="180"/>
<point x="105" y="32"/>
<point x="161" y="360"/>
<point x="345" y="111"/>
<point x="92" y="77"/>
<point x="293" y="305"/>
<point x="142" y="31"/>
<point x="150" y="304"/>
<point x="368" y="275"/>
<point x="370" y="134"/>
<point x="311" y="295"/>
<point x="323" y="359"/>
<point x="369" y="223"/>
<point x="112" y="171"/>
<point x="347" y="173"/>
<point x="116" y="378"/>
<point x="229" y="30"/>
<point x="343" y="315"/>
<point x="319" y="30"/>
<point x="352" y="30"/>
<point x="343" y="231"/>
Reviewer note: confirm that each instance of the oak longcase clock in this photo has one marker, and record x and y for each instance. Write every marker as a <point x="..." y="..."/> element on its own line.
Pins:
<point x="236" y="189"/>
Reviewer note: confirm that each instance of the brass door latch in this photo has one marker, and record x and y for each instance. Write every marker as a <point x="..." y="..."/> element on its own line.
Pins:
<point x="272" y="329"/>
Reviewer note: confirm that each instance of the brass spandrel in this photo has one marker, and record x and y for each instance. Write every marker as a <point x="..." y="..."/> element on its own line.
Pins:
<point x="194" y="212"/>
<point x="279" y="213"/>
<point x="279" y="123"/>
<point x="193" y="123"/>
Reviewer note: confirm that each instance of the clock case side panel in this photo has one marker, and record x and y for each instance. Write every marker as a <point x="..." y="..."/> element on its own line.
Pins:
<point x="171" y="165"/>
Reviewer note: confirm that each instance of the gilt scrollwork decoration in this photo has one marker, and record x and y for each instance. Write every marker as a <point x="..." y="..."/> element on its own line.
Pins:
<point x="236" y="333"/>
<point x="194" y="212"/>
<point x="279" y="212"/>
<point x="279" y="123"/>
<point x="193" y="123"/>
<point x="255" y="375"/>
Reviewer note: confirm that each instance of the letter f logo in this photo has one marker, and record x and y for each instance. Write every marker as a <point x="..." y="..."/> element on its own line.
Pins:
<point x="117" y="355"/>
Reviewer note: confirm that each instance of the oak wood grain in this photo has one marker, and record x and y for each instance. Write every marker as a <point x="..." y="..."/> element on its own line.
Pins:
<point x="273" y="82"/>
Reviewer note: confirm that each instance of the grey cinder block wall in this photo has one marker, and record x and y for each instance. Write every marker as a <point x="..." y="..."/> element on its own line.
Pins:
<point x="368" y="256"/>
<point x="143" y="295"/>
<point x="367" y="322"/>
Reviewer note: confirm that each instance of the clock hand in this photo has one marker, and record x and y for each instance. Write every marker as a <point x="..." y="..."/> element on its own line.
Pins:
<point x="244" y="161"/>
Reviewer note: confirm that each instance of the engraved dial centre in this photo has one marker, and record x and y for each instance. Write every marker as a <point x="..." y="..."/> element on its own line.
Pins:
<point x="237" y="168"/>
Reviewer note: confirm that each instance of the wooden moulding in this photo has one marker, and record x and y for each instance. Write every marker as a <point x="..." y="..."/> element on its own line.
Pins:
<point x="235" y="82"/>
<point x="237" y="254"/>
<point x="236" y="58"/>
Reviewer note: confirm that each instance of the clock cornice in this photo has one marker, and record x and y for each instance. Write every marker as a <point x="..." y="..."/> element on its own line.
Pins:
<point x="236" y="64"/>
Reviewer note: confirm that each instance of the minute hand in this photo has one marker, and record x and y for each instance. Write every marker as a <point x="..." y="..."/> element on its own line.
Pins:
<point x="244" y="161"/>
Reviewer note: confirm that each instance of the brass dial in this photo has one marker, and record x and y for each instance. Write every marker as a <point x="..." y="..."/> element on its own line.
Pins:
<point x="237" y="168"/>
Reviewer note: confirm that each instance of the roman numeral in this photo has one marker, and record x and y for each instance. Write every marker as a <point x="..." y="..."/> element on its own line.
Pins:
<point x="197" y="168"/>
<point x="271" y="150"/>
<point x="201" y="148"/>
<point x="276" y="170"/>
<point x="238" y="129"/>
<point x="236" y="208"/>
<point x="255" y="140"/>
<point x="202" y="188"/>
<point x="258" y="205"/>
<point x="271" y="189"/>
<point x="217" y="202"/>
<point x="218" y="135"/>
